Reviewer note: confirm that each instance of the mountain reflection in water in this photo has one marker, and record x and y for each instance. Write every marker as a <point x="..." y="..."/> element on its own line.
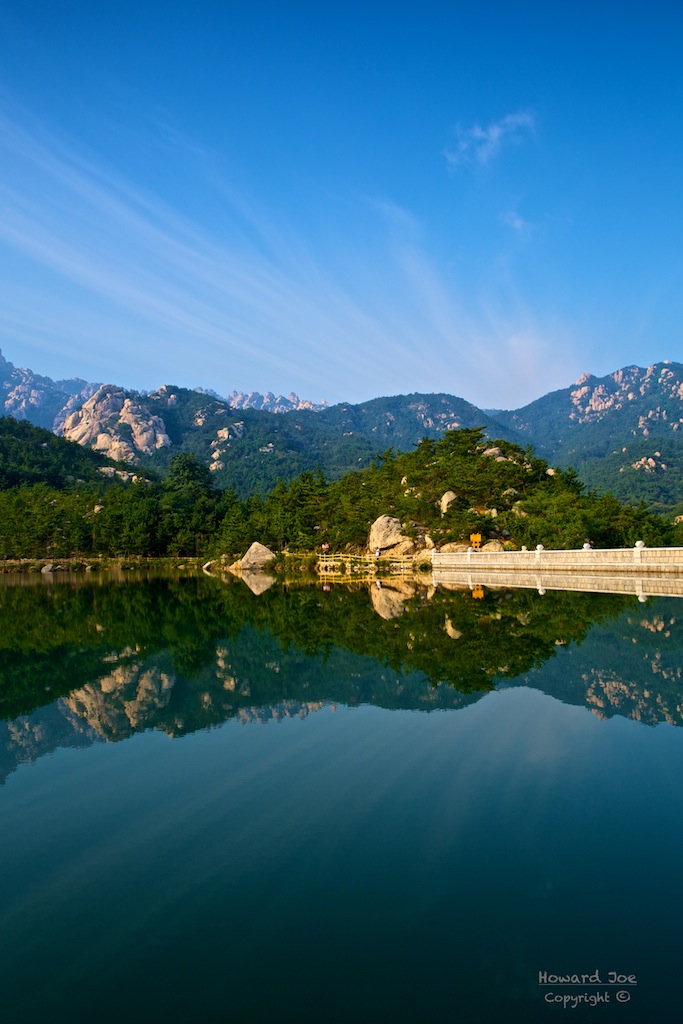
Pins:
<point x="104" y="660"/>
<point x="368" y="863"/>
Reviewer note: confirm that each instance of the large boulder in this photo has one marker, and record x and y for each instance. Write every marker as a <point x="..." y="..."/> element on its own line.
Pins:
<point x="495" y="453"/>
<point x="404" y="548"/>
<point x="257" y="556"/>
<point x="447" y="500"/>
<point x="385" y="533"/>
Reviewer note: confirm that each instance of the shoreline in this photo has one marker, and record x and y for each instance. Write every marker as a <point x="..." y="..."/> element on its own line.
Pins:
<point x="363" y="566"/>
<point x="104" y="563"/>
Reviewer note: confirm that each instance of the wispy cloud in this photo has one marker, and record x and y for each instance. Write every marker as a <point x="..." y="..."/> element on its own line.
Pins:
<point x="104" y="271"/>
<point x="515" y="221"/>
<point x="478" y="145"/>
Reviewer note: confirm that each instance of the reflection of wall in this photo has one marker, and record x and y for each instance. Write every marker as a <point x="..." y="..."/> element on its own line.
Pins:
<point x="542" y="581"/>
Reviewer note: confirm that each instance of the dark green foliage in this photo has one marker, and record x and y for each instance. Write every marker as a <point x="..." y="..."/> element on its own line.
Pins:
<point x="260" y="447"/>
<point x="508" y="494"/>
<point x="403" y="420"/>
<point x="32" y="455"/>
<point x="652" y="469"/>
<point x="129" y="521"/>
<point x="532" y="507"/>
<point x="188" y="507"/>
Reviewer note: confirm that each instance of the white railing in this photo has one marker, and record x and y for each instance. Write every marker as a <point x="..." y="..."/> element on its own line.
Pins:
<point x="639" y="557"/>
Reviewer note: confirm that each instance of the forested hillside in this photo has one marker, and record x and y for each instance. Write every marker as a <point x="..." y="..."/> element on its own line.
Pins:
<point x="500" y="491"/>
<point x="443" y="490"/>
<point x="250" y="450"/>
<point x="622" y="433"/>
<point x="33" y="455"/>
<point x="402" y="421"/>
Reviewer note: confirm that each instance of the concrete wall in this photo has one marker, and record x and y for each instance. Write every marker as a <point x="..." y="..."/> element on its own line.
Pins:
<point x="637" y="559"/>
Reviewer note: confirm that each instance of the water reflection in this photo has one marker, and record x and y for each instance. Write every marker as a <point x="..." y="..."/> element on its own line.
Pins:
<point x="433" y="862"/>
<point x="101" y="662"/>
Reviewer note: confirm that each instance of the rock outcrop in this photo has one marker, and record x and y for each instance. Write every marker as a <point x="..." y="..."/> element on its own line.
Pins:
<point x="120" y="703"/>
<point x="404" y="548"/>
<point x="494" y="453"/>
<point x="386" y="532"/>
<point x="117" y="424"/>
<point x="256" y="557"/>
<point x="258" y="582"/>
<point x="272" y="403"/>
<point x="447" y="500"/>
<point x="452" y="630"/>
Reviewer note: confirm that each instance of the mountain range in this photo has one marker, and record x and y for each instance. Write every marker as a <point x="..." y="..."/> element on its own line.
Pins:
<point x="621" y="432"/>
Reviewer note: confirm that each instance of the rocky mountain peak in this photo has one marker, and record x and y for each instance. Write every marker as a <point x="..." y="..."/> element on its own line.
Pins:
<point x="593" y="397"/>
<point x="26" y="395"/>
<point x="272" y="403"/>
<point x="118" y="424"/>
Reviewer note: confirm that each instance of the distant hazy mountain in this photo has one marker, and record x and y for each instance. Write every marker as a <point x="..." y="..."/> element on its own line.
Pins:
<point x="621" y="432"/>
<point x="26" y="395"/>
<point x="46" y="402"/>
<point x="270" y="402"/>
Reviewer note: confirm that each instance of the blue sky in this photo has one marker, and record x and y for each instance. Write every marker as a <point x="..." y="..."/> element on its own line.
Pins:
<point x="341" y="199"/>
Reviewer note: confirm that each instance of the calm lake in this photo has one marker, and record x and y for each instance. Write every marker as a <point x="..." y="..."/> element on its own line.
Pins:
<point x="345" y="805"/>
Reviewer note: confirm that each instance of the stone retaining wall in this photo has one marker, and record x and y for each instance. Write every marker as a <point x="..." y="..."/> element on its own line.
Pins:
<point x="638" y="559"/>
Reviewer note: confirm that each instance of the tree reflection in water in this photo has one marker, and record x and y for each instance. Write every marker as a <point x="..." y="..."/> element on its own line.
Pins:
<point x="183" y="654"/>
